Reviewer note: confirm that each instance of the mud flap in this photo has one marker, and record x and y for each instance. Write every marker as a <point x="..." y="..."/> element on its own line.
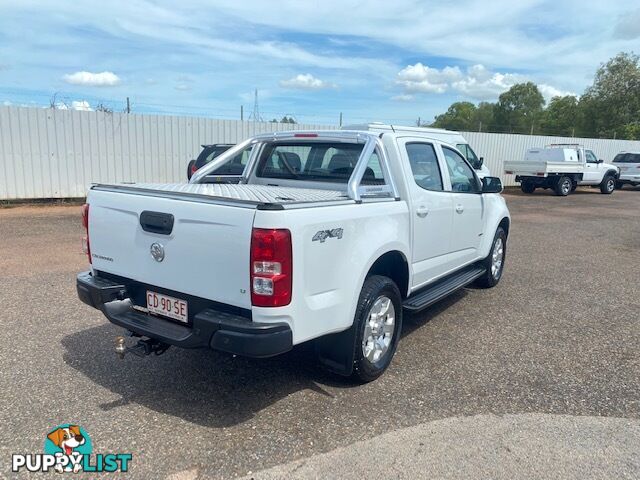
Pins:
<point x="336" y="351"/>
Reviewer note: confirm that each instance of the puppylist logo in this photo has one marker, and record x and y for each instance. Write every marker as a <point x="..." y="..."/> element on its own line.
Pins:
<point x="68" y="448"/>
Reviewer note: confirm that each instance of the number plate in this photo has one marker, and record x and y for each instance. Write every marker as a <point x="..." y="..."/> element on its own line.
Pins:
<point x="167" y="306"/>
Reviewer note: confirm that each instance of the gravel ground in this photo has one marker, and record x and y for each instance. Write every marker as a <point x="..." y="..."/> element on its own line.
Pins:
<point x="558" y="338"/>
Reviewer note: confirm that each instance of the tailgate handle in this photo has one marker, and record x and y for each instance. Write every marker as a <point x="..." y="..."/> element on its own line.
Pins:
<point x="156" y="222"/>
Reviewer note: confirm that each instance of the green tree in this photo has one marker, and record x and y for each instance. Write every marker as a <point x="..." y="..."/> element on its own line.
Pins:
<point x="561" y="116"/>
<point x="611" y="106"/>
<point x="459" y="116"/>
<point x="519" y="109"/>
<point x="631" y="131"/>
<point x="484" y="118"/>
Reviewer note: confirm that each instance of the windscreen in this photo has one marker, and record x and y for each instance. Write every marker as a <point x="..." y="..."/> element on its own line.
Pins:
<point x="471" y="156"/>
<point x="315" y="161"/>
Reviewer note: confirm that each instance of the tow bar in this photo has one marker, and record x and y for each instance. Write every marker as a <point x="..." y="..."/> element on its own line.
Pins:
<point x="144" y="347"/>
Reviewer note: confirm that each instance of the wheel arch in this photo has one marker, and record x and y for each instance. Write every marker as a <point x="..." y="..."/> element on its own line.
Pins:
<point x="505" y="223"/>
<point x="392" y="264"/>
<point x="611" y="171"/>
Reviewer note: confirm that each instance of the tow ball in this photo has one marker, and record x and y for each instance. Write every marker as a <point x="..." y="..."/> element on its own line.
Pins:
<point x="144" y="347"/>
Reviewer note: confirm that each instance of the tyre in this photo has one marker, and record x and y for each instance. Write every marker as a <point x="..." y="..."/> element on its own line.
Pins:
<point x="378" y="323"/>
<point x="563" y="186"/>
<point x="494" y="262"/>
<point x="619" y="185"/>
<point x="608" y="185"/>
<point x="527" y="187"/>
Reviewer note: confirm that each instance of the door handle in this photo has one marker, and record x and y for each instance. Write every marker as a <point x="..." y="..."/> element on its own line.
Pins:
<point x="422" y="211"/>
<point x="459" y="208"/>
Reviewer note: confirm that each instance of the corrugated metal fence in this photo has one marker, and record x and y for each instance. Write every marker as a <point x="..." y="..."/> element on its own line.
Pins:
<point x="48" y="153"/>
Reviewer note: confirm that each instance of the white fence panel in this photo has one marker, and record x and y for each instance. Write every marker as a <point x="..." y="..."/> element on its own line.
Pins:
<point x="47" y="153"/>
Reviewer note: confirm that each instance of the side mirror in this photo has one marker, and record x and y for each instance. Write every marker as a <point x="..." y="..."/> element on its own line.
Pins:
<point x="491" y="185"/>
<point x="480" y="161"/>
<point x="600" y="160"/>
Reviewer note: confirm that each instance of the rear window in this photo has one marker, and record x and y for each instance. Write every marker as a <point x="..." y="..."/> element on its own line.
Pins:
<point x="627" y="158"/>
<point x="320" y="162"/>
<point x="235" y="166"/>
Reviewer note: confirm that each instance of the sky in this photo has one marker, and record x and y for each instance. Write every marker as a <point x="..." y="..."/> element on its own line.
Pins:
<point x="388" y="61"/>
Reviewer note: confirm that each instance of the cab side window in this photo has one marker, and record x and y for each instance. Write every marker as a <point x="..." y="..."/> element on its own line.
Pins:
<point x="461" y="174"/>
<point x="424" y="166"/>
<point x="591" y="158"/>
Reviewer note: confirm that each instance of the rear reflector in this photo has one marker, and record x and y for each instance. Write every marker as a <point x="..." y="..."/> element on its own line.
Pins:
<point x="508" y="172"/>
<point x="271" y="267"/>
<point x="540" y="174"/>
<point x="86" y="247"/>
<point x="194" y="169"/>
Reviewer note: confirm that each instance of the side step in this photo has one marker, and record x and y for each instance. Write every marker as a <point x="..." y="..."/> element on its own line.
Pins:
<point x="440" y="289"/>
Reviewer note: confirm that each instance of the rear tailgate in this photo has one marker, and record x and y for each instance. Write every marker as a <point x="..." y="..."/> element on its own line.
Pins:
<point x="206" y="253"/>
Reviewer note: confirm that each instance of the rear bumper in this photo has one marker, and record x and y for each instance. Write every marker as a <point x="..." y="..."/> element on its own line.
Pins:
<point x="629" y="178"/>
<point x="209" y="328"/>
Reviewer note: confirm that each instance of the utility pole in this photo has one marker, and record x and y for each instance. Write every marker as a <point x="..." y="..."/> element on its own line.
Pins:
<point x="480" y="126"/>
<point x="573" y="132"/>
<point x="128" y="106"/>
<point x="241" y="113"/>
<point x="340" y="119"/>
<point x="531" y="129"/>
<point x="255" y="115"/>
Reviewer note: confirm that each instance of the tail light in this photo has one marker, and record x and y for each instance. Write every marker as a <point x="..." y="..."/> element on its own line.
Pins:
<point x="86" y="248"/>
<point x="271" y="267"/>
<point x="194" y="169"/>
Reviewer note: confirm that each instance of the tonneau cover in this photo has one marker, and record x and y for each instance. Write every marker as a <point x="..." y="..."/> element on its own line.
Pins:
<point x="248" y="193"/>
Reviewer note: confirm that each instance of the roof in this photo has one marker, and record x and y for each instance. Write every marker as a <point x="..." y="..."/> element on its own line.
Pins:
<point x="382" y="127"/>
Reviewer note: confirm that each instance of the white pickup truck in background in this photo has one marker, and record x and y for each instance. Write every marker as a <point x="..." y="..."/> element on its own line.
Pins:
<point x="327" y="236"/>
<point x="446" y="136"/>
<point x="562" y="167"/>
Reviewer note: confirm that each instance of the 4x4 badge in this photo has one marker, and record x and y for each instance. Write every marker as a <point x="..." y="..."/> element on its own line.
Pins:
<point x="322" y="235"/>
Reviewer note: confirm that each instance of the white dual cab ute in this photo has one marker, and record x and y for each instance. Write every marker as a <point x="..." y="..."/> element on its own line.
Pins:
<point x="327" y="236"/>
<point x="562" y="167"/>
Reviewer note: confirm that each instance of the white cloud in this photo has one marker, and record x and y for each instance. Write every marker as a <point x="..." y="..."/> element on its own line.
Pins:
<point x="477" y="82"/>
<point x="6" y="103"/>
<point x="305" y="81"/>
<point x="182" y="87"/>
<point x="102" y="79"/>
<point x="424" y="79"/>
<point x="548" y="92"/>
<point x="403" y="98"/>
<point x="82" y="105"/>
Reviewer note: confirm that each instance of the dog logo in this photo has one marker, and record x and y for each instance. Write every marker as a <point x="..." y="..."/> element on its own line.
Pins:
<point x="69" y="441"/>
<point x="157" y="252"/>
<point x="68" y="449"/>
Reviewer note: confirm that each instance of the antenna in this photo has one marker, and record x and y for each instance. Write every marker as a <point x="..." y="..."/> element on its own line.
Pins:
<point x="255" y="115"/>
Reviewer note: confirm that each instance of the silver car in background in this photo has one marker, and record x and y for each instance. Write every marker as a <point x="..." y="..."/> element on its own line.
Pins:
<point x="629" y="165"/>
